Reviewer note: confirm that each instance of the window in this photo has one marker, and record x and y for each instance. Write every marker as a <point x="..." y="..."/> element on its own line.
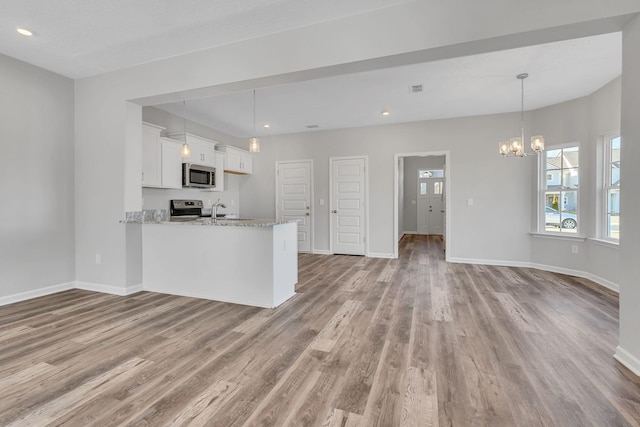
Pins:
<point x="433" y="173"/>
<point x="560" y="190"/>
<point x="612" y="187"/>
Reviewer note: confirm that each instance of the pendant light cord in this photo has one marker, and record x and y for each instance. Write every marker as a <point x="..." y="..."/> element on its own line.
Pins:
<point x="254" y="113"/>
<point x="184" y="119"/>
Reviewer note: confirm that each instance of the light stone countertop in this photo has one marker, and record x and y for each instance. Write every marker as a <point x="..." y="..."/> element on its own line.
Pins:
<point x="162" y="217"/>
<point x="221" y="222"/>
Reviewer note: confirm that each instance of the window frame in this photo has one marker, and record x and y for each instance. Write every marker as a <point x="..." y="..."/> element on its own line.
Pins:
<point x="608" y="186"/>
<point x="542" y="190"/>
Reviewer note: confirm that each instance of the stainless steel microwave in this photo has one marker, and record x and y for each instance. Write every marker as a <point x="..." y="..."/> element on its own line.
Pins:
<point x="198" y="176"/>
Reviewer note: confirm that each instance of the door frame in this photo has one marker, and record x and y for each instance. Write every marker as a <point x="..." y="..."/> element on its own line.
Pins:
<point x="447" y="195"/>
<point x="311" y="205"/>
<point x="366" y="200"/>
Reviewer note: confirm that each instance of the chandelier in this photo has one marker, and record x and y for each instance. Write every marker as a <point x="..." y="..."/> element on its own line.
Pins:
<point x="514" y="147"/>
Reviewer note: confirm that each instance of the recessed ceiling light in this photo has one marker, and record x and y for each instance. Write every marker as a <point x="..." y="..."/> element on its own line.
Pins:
<point x="385" y="112"/>
<point x="24" y="32"/>
<point x="266" y="125"/>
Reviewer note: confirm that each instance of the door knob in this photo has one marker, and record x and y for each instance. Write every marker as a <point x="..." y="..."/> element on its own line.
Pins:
<point x="307" y="214"/>
<point x="334" y="211"/>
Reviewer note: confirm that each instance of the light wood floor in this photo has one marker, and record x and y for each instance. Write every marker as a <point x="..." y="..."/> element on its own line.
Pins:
<point x="366" y="342"/>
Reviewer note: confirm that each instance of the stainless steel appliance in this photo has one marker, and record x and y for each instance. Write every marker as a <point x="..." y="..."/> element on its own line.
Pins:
<point x="185" y="210"/>
<point x="198" y="176"/>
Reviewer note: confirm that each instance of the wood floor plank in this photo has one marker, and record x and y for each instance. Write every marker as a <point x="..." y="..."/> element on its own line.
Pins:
<point x="413" y="341"/>
<point x="420" y="404"/>
<point x="340" y="418"/>
<point x="326" y="339"/>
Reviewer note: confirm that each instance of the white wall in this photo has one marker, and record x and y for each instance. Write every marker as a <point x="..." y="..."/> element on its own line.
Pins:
<point x="584" y="121"/>
<point x="410" y="188"/>
<point x="629" y="349"/>
<point x="36" y="179"/>
<point x="476" y="171"/>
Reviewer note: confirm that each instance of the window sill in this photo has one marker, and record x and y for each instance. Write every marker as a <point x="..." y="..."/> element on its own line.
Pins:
<point x="558" y="237"/>
<point x="605" y="243"/>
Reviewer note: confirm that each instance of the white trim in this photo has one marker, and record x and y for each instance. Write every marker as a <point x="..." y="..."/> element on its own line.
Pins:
<point x="551" y="268"/>
<point x="627" y="359"/>
<point x="366" y="200"/>
<point x="311" y="199"/>
<point x="501" y="263"/>
<point x="558" y="236"/>
<point x="604" y="243"/>
<point x="109" y="289"/>
<point x="380" y="255"/>
<point x="40" y="292"/>
<point x="322" y="251"/>
<point x="447" y="196"/>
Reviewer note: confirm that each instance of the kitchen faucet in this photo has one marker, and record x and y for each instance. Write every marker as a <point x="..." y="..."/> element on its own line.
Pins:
<point x="214" y="209"/>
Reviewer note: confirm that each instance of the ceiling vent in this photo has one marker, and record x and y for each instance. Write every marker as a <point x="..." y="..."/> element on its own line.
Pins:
<point x="312" y="126"/>
<point x="415" y="88"/>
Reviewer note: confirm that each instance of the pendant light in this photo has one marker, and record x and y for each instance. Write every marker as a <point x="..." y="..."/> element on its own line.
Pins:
<point x="515" y="146"/>
<point x="254" y="143"/>
<point x="186" y="150"/>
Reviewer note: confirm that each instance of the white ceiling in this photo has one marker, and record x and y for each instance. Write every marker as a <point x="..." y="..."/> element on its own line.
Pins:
<point x="467" y="86"/>
<point x="79" y="38"/>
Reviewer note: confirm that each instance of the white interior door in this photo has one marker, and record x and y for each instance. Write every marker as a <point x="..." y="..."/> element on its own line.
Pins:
<point x="430" y="205"/>
<point x="348" y="199"/>
<point x="293" y="198"/>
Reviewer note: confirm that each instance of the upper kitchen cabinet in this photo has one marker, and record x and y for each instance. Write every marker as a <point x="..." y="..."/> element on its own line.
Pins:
<point x="237" y="160"/>
<point x="151" y="155"/>
<point x="171" y="163"/>
<point x="202" y="149"/>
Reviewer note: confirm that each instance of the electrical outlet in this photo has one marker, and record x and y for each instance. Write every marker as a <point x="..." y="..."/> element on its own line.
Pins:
<point x="469" y="201"/>
<point x="575" y="249"/>
<point x="98" y="259"/>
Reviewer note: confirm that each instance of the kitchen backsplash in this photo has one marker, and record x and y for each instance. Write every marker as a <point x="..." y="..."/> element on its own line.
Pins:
<point x="158" y="198"/>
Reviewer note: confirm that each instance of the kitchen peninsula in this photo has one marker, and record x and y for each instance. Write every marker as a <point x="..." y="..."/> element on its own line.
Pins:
<point x="251" y="262"/>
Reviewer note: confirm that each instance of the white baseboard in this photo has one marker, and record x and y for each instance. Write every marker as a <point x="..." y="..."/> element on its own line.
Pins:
<point x="551" y="268"/>
<point x="322" y="251"/>
<point x="108" y="289"/>
<point x="379" y="255"/>
<point x="501" y="263"/>
<point x="23" y="296"/>
<point x="628" y="360"/>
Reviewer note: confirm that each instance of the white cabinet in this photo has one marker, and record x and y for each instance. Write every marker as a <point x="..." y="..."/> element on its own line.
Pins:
<point x="237" y="160"/>
<point x="202" y="149"/>
<point x="219" y="162"/>
<point x="151" y="155"/>
<point x="171" y="163"/>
